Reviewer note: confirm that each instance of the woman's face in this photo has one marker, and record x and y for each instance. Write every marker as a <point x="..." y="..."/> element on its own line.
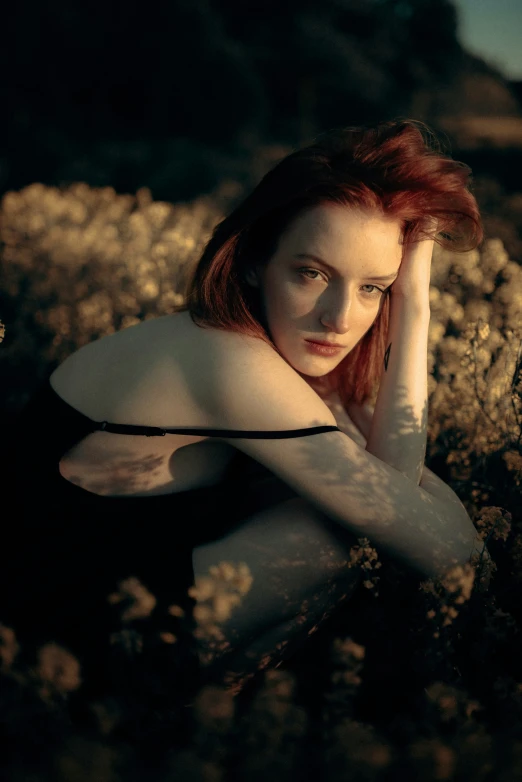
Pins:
<point x="303" y="299"/>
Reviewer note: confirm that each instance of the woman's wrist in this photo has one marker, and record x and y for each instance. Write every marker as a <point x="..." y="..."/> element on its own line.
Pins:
<point x="413" y="308"/>
<point x="416" y="300"/>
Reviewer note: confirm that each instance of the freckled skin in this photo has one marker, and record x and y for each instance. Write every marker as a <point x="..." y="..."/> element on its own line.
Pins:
<point x="337" y="307"/>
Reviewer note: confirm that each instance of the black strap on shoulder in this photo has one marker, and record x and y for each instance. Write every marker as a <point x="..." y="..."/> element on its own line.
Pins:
<point x="256" y="434"/>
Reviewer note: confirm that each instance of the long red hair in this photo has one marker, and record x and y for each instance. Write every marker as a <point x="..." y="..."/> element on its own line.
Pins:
<point x="396" y="167"/>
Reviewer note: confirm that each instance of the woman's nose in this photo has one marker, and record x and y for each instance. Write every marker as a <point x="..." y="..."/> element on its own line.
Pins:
<point x="337" y="316"/>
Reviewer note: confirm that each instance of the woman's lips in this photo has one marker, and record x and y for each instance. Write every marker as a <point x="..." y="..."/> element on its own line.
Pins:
<point x="322" y="350"/>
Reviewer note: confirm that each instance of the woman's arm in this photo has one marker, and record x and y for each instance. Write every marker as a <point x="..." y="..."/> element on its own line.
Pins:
<point x="398" y="432"/>
<point x="339" y="478"/>
<point x="360" y="417"/>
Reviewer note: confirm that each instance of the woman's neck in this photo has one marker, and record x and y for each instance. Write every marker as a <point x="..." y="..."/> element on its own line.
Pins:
<point x="321" y="385"/>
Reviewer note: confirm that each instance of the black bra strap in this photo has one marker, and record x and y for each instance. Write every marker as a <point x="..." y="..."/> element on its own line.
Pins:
<point x="256" y="434"/>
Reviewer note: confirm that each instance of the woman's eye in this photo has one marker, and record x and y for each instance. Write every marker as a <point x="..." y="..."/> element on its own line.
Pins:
<point x="375" y="292"/>
<point x="309" y="271"/>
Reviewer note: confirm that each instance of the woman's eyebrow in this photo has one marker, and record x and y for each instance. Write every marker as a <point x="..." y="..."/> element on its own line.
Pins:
<point x="391" y="276"/>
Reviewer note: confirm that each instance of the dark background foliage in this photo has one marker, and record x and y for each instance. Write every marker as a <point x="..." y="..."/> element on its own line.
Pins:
<point x="174" y="96"/>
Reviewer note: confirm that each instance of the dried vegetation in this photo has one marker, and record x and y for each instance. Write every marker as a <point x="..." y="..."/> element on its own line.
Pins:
<point x="407" y="680"/>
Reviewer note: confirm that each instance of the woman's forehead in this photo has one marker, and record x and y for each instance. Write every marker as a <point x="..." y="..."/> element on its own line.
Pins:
<point x="334" y="225"/>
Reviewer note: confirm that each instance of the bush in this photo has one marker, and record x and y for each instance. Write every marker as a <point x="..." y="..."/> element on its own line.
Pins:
<point x="418" y="680"/>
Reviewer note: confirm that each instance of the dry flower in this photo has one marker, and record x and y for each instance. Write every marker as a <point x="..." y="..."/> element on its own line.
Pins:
<point x="216" y="596"/>
<point x="58" y="670"/>
<point x="136" y="597"/>
<point x="9" y="647"/>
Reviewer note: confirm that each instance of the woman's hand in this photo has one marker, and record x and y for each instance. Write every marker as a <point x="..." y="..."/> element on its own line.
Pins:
<point x="414" y="272"/>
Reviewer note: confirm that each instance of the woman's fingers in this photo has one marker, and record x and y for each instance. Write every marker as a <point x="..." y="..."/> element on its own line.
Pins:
<point x="430" y="224"/>
<point x="414" y="271"/>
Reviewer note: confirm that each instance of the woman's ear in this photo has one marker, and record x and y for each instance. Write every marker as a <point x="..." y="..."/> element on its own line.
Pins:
<point x="251" y="278"/>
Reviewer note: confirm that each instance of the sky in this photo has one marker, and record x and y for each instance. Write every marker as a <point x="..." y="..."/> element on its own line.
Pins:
<point x="493" y="30"/>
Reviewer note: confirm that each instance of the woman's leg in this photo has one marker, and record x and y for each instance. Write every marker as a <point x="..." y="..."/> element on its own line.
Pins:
<point x="298" y="562"/>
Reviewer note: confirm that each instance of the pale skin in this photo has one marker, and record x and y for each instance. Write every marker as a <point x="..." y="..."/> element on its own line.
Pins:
<point x="299" y="565"/>
<point x="303" y="297"/>
<point x="299" y="559"/>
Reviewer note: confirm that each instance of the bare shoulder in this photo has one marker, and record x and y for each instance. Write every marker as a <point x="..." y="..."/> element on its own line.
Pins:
<point x="219" y="345"/>
<point x="248" y="385"/>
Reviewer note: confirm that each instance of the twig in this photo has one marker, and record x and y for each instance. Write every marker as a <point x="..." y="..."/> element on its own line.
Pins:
<point x="518" y="367"/>
<point x="479" y="399"/>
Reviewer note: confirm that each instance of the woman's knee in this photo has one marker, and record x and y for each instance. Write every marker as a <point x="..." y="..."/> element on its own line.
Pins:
<point x="291" y="551"/>
<point x="295" y="567"/>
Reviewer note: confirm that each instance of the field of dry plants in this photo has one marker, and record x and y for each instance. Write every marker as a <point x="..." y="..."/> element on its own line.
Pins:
<point x="408" y="680"/>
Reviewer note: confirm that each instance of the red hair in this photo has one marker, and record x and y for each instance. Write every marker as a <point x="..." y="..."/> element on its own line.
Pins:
<point x="396" y="167"/>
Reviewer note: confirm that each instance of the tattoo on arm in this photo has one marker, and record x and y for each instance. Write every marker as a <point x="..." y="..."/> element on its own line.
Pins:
<point x="387" y="357"/>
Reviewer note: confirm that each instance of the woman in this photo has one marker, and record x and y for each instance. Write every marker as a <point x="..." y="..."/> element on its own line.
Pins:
<point x="209" y="435"/>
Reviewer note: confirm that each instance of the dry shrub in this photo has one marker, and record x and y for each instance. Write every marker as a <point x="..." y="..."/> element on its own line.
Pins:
<point x="475" y="362"/>
<point x="86" y="262"/>
<point x="81" y="262"/>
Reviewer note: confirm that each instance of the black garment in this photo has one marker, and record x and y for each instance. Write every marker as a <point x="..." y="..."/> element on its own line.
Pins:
<point x="66" y="549"/>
